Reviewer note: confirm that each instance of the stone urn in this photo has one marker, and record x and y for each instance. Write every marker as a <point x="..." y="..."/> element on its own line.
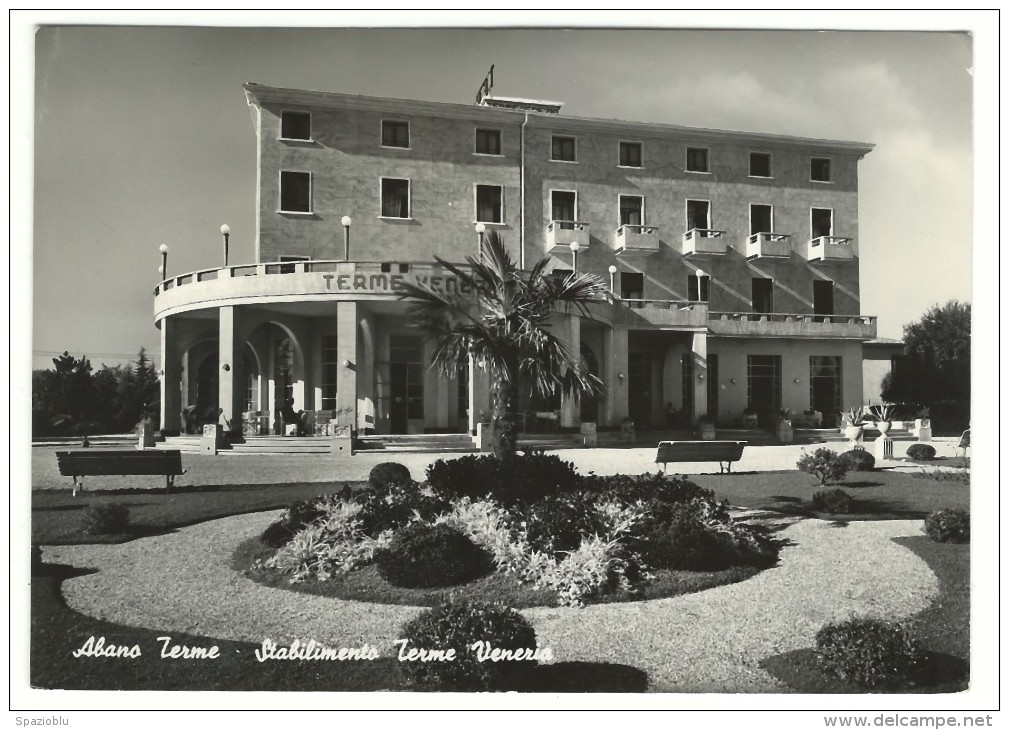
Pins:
<point x="852" y="433"/>
<point x="883" y="427"/>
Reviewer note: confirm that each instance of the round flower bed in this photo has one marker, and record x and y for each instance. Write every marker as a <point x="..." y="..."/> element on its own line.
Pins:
<point x="550" y="536"/>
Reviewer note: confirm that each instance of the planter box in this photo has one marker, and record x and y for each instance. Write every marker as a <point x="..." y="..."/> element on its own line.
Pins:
<point x="707" y="432"/>
<point x="784" y="432"/>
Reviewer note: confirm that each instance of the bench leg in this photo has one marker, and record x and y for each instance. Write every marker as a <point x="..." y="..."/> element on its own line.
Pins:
<point x="76" y="486"/>
<point x="169" y="483"/>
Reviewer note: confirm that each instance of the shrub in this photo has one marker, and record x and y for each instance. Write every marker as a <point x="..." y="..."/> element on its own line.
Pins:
<point x="833" y="501"/>
<point x="387" y="473"/>
<point x="430" y="556"/>
<point x="559" y="524"/>
<point x="654" y="485"/>
<point x="869" y="652"/>
<point x="825" y="464"/>
<point x="859" y="460"/>
<point x="105" y="519"/>
<point x="941" y="475"/>
<point x="459" y="626"/>
<point x="948" y="525"/>
<point x="920" y="452"/>
<point x="278" y="534"/>
<point x="522" y="479"/>
<point x="396" y="506"/>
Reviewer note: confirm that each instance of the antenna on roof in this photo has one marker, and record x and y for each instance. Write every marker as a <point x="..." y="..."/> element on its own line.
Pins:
<point x="486" y="86"/>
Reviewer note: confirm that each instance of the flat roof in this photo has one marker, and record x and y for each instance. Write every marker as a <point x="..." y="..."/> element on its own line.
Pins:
<point x="257" y="93"/>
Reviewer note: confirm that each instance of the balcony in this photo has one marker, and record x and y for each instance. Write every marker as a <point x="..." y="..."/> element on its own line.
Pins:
<point x="768" y="246"/>
<point x="561" y="234"/>
<point x="636" y="241"/>
<point x="830" y="248"/>
<point x="290" y="282"/>
<point x="704" y="241"/>
<point x="826" y="326"/>
<point x="661" y="313"/>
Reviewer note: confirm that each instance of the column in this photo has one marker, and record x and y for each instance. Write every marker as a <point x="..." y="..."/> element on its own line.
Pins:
<point x="699" y="353"/>
<point x="479" y="394"/>
<point x="570" y="333"/>
<point x="171" y="380"/>
<point x="346" y="378"/>
<point x="615" y="355"/>
<point x="229" y="397"/>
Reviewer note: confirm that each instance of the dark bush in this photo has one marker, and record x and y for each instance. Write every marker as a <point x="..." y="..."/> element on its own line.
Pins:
<point x="395" y="506"/>
<point x="521" y="479"/>
<point x="920" y="452"/>
<point x="869" y="652"/>
<point x="279" y="533"/>
<point x="105" y="519"/>
<point x="430" y="556"/>
<point x="558" y="524"/>
<point x="833" y="501"/>
<point x="459" y="626"/>
<point x="699" y="535"/>
<point x="859" y="460"/>
<point x="653" y="485"/>
<point x="825" y="464"/>
<point x="948" y="525"/>
<point x="387" y="473"/>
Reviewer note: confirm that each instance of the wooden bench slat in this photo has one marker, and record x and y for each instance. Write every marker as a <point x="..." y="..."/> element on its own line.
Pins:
<point x="699" y="451"/>
<point x="78" y="464"/>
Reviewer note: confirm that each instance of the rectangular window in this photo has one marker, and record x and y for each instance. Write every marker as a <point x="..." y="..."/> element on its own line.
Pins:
<point x="287" y="263"/>
<point x="760" y="164"/>
<point x="488" y="204"/>
<point x="697" y="288"/>
<point x="563" y="205"/>
<point x="823" y="298"/>
<point x="632" y="210"/>
<point x="395" y="198"/>
<point x="698" y="215"/>
<point x="295" y="192"/>
<point x="395" y="134"/>
<point x="819" y="169"/>
<point x="825" y="387"/>
<point x="697" y="159"/>
<point x="296" y="125"/>
<point x="562" y="148"/>
<point x="763" y="386"/>
<point x="761" y="219"/>
<point x="632" y="286"/>
<point x="821" y="222"/>
<point x="330" y="365"/>
<point x="630" y="154"/>
<point x="763" y="295"/>
<point x="488" y="141"/>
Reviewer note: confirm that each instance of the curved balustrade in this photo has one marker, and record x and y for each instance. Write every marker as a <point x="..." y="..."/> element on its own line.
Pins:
<point x="789" y="324"/>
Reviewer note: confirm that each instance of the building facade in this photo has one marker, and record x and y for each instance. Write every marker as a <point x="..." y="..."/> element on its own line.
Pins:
<point x="732" y="258"/>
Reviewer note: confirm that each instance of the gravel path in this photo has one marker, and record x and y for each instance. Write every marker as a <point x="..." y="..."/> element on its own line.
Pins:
<point x="705" y="642"/>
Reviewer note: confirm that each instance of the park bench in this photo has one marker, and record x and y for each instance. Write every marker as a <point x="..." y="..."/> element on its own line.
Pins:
<point x="102" y="462"/>
<point x="724" y="452"/>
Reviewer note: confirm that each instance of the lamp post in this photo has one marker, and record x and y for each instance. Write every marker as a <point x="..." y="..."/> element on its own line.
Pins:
<point x="613" y="278"/>
<point x="226" y="232"/>
<point x="574" y="256"/>
<point x="163" y="248"/>
<point x="701" y="276"/>
<point x="345" y="222"/>
<point x="480" y="228"/>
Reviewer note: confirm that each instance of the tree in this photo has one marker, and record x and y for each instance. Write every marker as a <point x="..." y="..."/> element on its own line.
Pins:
<point x="501" y="317"/>
<point x="935" y="369"/>
<point x="72" y="394"/>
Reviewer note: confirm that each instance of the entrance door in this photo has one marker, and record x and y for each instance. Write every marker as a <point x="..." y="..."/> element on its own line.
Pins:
<point x="406" y="384"/>
<point x="639" y="388"/>
<point x="763" y="295"/>
<point x="698" y="215"/>
<point x="562" y="204"/>
<point x="823" y="299"/>
<point x="760" y="219"/>
<point x="825" y="387"/>
<point x="763" y="387"/>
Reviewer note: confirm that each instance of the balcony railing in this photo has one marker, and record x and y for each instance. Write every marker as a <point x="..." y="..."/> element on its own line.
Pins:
<point x="636" y="240"/>
<point x="663" y="312"/>
<point x="768" y="245"/>
<point x="704" y="240"/>
<point x="830" y="248"/>
<point x="775" y="324"/>
<point x="561" y="234"/>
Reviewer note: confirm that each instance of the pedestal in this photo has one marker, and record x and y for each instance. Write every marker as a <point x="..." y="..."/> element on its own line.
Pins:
<point x="924" y="433"/>
<point x="213" y="435"/>
<point x="627" y="432"/>
<point x="145" y="435"/>
<point x="342" y="438"/>
<point x="784" y="432"/>
<point x="707" y="432"/>
<point x="883" y="448"/>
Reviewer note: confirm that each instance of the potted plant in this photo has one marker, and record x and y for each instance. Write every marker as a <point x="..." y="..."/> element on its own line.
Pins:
<point x="851" y="424"/>
<point x="783" y="426"/>
<point x="749" y="418"/>
<point x="922" y="421"/>
<point x="882" y="415"/>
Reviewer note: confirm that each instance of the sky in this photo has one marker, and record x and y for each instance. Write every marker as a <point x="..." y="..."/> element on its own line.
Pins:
<point x="142" y="136"/>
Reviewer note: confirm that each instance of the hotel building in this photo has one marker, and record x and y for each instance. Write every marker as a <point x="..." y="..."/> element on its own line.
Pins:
<point x="733" y="259"/>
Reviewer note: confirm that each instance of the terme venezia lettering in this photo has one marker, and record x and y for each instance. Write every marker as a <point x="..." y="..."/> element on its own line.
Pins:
<point x="386" y="283"/>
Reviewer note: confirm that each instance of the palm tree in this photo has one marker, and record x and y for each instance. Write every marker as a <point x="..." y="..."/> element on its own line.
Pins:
<point x="502" y="321"/>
